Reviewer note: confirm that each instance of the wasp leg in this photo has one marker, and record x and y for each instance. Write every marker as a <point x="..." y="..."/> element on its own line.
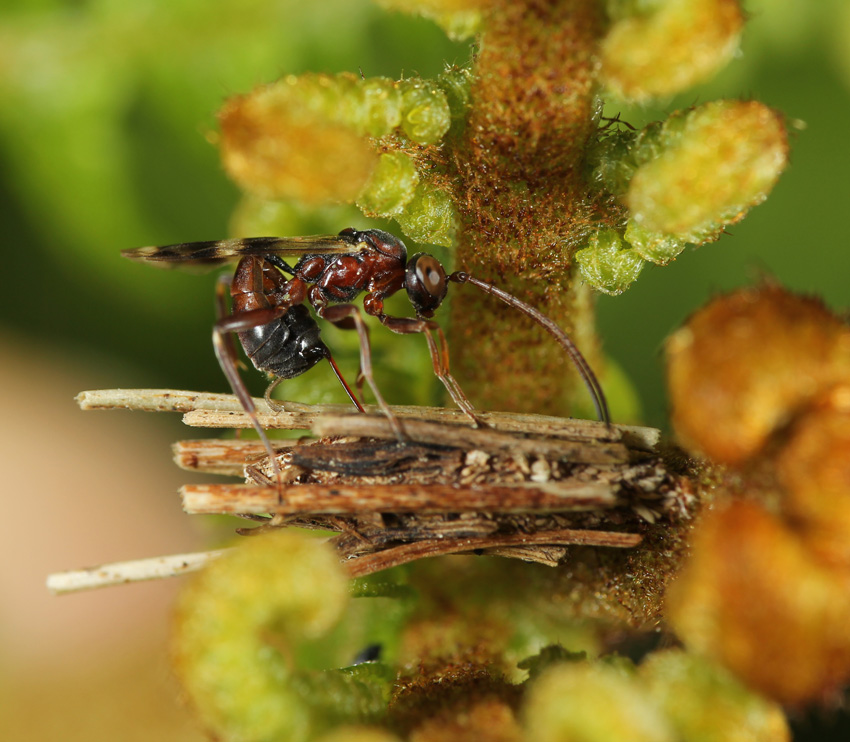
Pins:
<point x="343" y="315"/>
<point x="273" y="403"/>
<point x="439" y="357"/>
<point x="359" y="381"/>
<point x="278" y="407"/>
<point x="222" y="287"/>
<point x="454" y="389"/>
<point x="227" y="360"/>
<point x="351" y="395"/>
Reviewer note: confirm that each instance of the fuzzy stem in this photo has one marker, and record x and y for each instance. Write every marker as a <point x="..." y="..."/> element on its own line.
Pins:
<point x="519" y="164"/>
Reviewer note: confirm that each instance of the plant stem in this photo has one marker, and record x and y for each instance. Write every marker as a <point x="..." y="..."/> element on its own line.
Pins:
<point x="519" y="165"/>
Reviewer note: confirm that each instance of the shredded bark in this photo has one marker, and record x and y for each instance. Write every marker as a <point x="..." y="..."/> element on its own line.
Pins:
<point x="523" y="486"/>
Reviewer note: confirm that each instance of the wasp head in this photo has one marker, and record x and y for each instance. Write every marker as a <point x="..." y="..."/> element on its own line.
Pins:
<point x="426" y="283"/>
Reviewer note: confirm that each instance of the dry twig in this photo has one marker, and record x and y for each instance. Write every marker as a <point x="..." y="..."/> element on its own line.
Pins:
<point x="120" y="573"/>
<point x="524" y="486"/>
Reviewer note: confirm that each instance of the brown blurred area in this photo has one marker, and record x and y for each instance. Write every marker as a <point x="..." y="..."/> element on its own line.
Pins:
<point x="84" y="488"/>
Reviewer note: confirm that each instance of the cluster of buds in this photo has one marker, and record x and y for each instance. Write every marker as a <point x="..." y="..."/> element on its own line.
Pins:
<point x="318" y="138"/>
<point x="760" y="382"/>
<point x="680" y="181"/>
<point x="245" y="629"/>
<point x="684" y="180"/>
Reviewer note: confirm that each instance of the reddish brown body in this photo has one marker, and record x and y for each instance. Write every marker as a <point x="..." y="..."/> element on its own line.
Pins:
<point x="378" y="268"/>
<point x="263" y="299"/>
<point x="287" y="345"/>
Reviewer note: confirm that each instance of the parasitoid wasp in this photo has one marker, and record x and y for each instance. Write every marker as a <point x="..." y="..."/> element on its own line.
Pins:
<point x="282" y="338"/>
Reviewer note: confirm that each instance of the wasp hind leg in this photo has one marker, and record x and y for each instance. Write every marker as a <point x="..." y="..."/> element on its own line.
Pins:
<point x="273" y="404"/>
<point x="222" y="334"/>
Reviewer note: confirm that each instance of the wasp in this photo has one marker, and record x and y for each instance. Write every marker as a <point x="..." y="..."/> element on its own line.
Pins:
<point x="275" y="278"/>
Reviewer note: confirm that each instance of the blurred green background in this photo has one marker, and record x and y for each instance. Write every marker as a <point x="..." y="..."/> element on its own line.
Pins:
<point x="107" y="128"/>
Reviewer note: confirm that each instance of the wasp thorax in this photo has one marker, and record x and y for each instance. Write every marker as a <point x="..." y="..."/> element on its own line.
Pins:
<point x="426" y="283"/>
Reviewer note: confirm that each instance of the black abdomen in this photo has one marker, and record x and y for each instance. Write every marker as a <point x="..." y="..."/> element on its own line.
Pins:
<point x="287" y="347"/>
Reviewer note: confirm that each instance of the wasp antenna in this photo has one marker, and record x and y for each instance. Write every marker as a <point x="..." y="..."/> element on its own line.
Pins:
<point x="580" y="362"/>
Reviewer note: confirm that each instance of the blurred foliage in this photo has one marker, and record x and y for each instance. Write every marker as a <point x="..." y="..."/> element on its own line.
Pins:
<point x="245" y="630"/>
<point x="767" y="588"/>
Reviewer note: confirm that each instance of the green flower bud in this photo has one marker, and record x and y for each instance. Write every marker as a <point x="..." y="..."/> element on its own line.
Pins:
<point x="429" y="217"/>
<point x="607" y="264"/>
<point x="706" y="703"/>
<point x="592" y="703"/>
<point x="288" y="141"/>
<point x="655" y="247"/>
<point x="456" y="83"/>
<point x="708" y="167"/>
<point x="425" y="114"/>
<point x="371" y="106"/>
<point x="342" y="97"/>
<point x="460" y="19"/>
<point x="391" y="187"/>
<point x="611" y="162"/>
<point x="244" y="625"/>
<point x="460" y="25"/>
<point x="381" y="106"/>
<point x="667" y="46"/>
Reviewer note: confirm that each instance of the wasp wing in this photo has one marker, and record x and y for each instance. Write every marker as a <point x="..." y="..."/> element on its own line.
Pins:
<point x="217" y="252"/>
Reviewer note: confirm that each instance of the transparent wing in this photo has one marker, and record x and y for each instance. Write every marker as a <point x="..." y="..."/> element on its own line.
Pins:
<point x="217" y="252"/>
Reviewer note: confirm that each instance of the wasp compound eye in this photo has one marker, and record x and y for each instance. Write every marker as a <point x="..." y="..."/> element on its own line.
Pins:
<point x="426" y="283"/>
<point x="431" y="275"/>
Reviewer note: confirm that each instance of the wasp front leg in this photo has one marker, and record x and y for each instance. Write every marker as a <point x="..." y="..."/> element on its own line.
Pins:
<point x="374" y="306"/>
